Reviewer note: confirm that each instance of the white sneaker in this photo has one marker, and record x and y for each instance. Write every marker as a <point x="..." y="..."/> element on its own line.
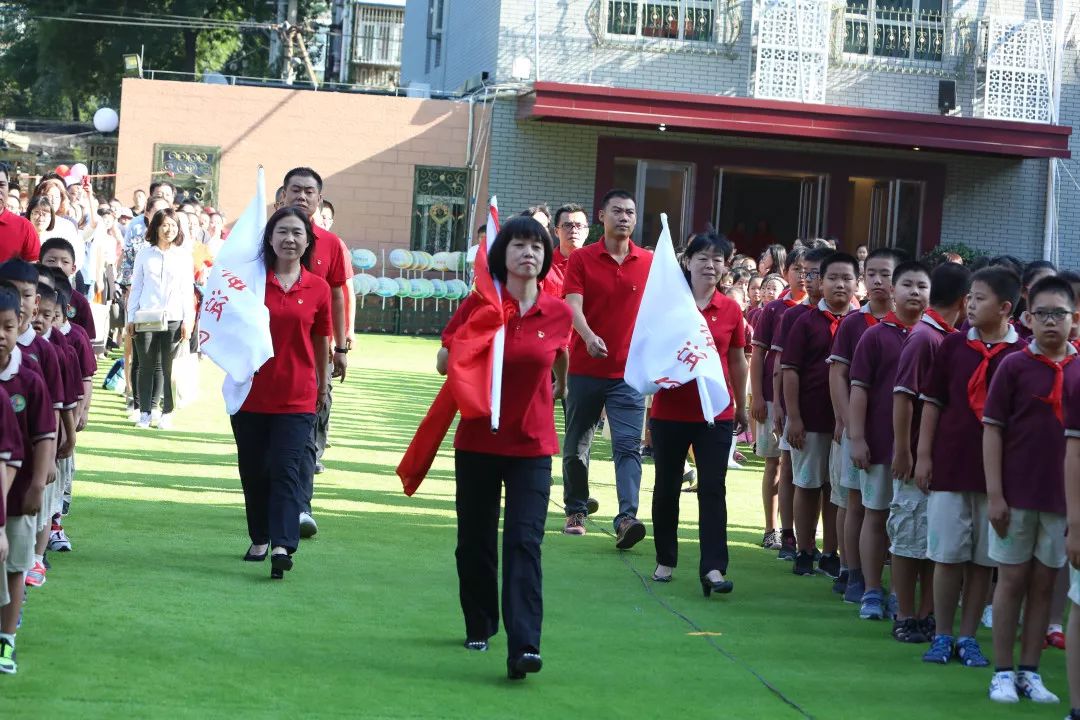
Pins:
<point x="144" y="421"/>
<point x="1030" y="685"/>
<point x="134" y="414"/>
<point x="307" y="525"/>
<point x="155" y="416"/>
<point x="165" y="423"/>
<point x="988" y="617"/>
<point x="1003" y="687"/>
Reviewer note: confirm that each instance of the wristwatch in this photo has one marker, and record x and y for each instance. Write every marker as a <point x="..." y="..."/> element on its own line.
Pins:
<point x="342" y="351"/>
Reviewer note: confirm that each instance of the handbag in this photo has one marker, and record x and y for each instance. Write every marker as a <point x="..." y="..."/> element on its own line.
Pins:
<point x="151" y="320"/>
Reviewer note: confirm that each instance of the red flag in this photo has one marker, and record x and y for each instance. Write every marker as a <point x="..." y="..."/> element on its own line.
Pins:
<point x="468" y="375"/>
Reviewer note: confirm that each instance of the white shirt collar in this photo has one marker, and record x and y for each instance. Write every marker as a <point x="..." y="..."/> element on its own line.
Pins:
<point x="13" y="364"/>
<point x="932" y="323"/>
<point x="48" y="333"/>
<point x="1034" y="348"/>
<point x="27" y="337"/>
<point x="1010" y="337"/>
<point x="65" y="328"/>
<point x="824" y="307"/>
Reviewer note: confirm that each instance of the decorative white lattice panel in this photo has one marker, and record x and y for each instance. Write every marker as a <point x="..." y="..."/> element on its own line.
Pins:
<point x="1019" y="65"/>
<point x="793" y="50"/>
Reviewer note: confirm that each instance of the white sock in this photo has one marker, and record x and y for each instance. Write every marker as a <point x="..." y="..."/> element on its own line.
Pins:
<point x="1053" y="629"/>
<point x="39" y="559"/>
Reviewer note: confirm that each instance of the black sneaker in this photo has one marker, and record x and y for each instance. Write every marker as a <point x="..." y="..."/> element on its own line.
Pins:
<point x="788" y="550"/>
<point x="928" y="625"/>
<point x="646" y="451"/>
<point x="804" y="564"/>
<point x="840" y="586"/>
<point x="829" y="565"/>
<point x="908" y="631"/>
<point x="817" y="555"/>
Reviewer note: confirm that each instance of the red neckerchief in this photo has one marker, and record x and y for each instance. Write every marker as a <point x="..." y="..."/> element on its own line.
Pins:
<point x="834" y="320"/>
<point x="1054" y="399"/>
<point x="1076" y="344"/>
<point x="977" y="385"/>
<point x="936" y="317"/>
<point x="871" y="321"/>
<point x="891" y="318"/>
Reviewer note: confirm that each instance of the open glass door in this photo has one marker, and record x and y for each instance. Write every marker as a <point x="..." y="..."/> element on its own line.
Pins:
<point x="813" y="199"/>
<point x="663" y="187"/>
<point x="896" y="208"/>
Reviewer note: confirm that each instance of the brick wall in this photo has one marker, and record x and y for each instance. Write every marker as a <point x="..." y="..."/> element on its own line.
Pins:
<point x="366" y="147"/>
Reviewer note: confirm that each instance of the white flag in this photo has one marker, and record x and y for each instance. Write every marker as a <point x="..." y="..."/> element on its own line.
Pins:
<point x="499" y="343"/>
<point x="671" y="344"/>
<point x="234" y="328"/>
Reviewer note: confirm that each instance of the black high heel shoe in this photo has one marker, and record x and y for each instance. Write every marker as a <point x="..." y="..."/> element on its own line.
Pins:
<point x="477" y="645"/>
<point x="720" y="587"/>
<point x="661" y="578"/>
<point x="252" y="557"/>
<point x="528" y="662"/>
<point x="279" y="564"/>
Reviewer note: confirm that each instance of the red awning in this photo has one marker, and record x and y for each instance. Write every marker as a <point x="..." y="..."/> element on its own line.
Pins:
<point x="620" y="107"/>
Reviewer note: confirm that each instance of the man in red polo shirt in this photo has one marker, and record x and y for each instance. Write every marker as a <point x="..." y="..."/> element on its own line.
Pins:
<point x="18" y="238"/>
<point x="303" y="189"/>
<point x="603" y="286"/>
<point x="571" y="232"/>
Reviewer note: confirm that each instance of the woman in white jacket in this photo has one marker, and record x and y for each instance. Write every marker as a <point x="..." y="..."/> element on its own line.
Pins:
<point x="162" y="289"/>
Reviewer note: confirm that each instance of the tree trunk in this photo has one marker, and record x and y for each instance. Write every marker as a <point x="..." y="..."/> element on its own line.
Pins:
<point x="190" y="36"/>
<point x="74" y="108"/>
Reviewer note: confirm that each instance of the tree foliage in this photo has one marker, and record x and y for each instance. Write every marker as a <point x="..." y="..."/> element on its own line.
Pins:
<point x="68" y="69"/>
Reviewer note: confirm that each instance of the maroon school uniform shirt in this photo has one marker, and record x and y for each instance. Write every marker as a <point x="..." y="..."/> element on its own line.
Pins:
<point x="35" y="419"/>
<point x="916" y="364"/>
<point x="71" y="388"/>
<point x="84" y="349"/>
<point x="11" y="444"/>
<point x="957" y="454"/>
<point x="786" y="322"/>
<point x="806" y="351"/>
<point x="287" y="383"/>
<point x="611" y="295"/>
<point x="874" y="368"/>
<point x="37" y="349"/>
<point x="1033" y="458"/>
<point x="527" y="410"/>
<point x="728" y="329"/>
<point x="850" y="333"/>
<point x="79" y="313"/>
<point x="1072" y="403"/>
<point x="766" y="332"/>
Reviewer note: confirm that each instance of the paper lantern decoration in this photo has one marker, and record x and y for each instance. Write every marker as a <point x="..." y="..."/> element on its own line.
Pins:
<point x="386" y="287"/>
<point x="401" y="259"/>
<point x="439" y="260"/>
<point x="404" y="287"/>
<point x="438" y="289"/>
<point x="363" y="259"/>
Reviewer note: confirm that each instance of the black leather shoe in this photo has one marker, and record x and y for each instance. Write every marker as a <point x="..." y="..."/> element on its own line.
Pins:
<point x="478" y="645"/>
<point x="252" y="557"/>
<point x="525" y="663"/>
<point x="279" y="564"/>
<point x="720" y="587"/>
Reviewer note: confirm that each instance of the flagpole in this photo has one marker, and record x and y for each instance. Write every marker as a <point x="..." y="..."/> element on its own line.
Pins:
<point x="499" y="345"/>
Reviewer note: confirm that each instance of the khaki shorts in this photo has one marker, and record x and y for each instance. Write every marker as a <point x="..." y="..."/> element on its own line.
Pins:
<point x="958" y="528"/>
<point x="810" y="466"/>
<point x="1032" y="534"/>
<point x="1074" y="586"/>
<point x="21" y="533"/>
<point x="5" y="596"/>
<point x="838" y="493"/>
<point x="849" y="475"/>
<point x="907" y="520"/>
<point x="44" y="513"/>
<point x="876" y="487"/>
<point x="783" y="444"/>
<point x="766" y="444"/>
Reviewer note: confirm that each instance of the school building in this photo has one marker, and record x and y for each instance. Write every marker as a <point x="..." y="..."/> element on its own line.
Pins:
<point x="908" y="123"/>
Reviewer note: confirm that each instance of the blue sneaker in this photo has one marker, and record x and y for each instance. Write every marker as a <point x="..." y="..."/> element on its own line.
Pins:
<point x="970" y="654"/>
<point x="892" y="606"/>
<point x="941" y="650"/>
<point x="872" y="606"/>
<point x="854" y="592"/>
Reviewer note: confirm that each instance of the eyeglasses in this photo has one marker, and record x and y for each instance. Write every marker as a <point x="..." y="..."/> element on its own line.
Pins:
<point x="570" y="227"/>
<point x="1044" y="316"/>
<point x="810" y="274"/>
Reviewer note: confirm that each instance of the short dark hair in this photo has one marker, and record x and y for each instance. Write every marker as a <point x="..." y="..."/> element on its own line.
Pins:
<point x="896" y="255"/>
<point x="268" y="254"/>
<point x="796" y="255"/>
<point x="63" y="287"/>
<point x="702" y="242"/>
<point x="1070" y="276"/>
<point x="17" y="270"/>
<point x="46" y="292"/>
<point x="157" y="221"/>
<point x="613" y="194"/>
<point x="534" y="209"/>
<point x="1052" y="284"/>
<point x="948" y="284"/>
<point x="1010" y="261"/>
<point x="328" y="204"/>
<point x="44" y="274"/>
<point x="839" y="258"/>
<point x="818" y="254"/>
<point x="158" y="183"/>
<point x="906" y="268"/>
<point x="302" y="172"/>
<point x="523" y="228"/>
<point x="1002" y="281"/>
<point x="481" y="229"/>
<point x="10" y="300"/>
<point x="564" y="209"/>
<point x="1036" y="268"/>
<point x="37" y="202"/>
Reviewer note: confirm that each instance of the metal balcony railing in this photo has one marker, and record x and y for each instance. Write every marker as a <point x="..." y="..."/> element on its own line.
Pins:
<point x="696" y="26"/>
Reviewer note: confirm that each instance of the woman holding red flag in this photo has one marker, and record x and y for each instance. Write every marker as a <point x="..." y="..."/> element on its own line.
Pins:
<point x="519" y="455"/>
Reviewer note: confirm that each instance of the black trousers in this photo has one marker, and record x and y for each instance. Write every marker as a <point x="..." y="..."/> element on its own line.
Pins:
<point x="154" y="353"/>
<point x="270" y="450"/>
<point x="671" y="442"/>
<point x="480" y="478"/>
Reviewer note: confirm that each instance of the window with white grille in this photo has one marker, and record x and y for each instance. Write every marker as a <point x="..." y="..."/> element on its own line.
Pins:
<point x="898" y="29"/>
<point x="695" y="20"/>
<point x="378" y="36"/>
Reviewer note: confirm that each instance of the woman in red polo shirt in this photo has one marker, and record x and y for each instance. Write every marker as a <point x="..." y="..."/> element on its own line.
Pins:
<point x="677" y="424"/>
<point x="273" y="426"/>
<point x="519" y="455"/>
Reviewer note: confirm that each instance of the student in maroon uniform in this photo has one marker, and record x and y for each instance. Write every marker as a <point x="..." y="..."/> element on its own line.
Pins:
<point x="810" y="417"/>
<point x="1034" y="271"/>
<point x="58" y="253"/>
<point x="274" y="425"/>
<point x="603" y="286"/>
<point x="878" y="270"/>
<point x="1072" y="537"/>
<point x="571" y="230"/>
<point x="777" y="492"/>
<point x="950" y="462"/>
<point x="873" y="377"/>
<point x="677" y="425"/>
<point x="537" y="330"/>
<point x="1024" y="457"/>
<point x="37" y="425"/>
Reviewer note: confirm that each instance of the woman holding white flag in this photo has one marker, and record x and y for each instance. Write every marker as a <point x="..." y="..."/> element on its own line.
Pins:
<point x="275" y="421"/>
<point x="677" y="424"/>
<point x="519" y="455"/>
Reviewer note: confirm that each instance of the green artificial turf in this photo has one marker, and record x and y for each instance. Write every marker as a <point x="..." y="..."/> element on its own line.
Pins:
<point x="154" y="614"/>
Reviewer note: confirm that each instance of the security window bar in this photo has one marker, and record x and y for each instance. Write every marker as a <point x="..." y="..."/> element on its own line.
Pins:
<point x="693" y="20"/>
<point x="903" y="29"/>
<point x="379" y="32"/>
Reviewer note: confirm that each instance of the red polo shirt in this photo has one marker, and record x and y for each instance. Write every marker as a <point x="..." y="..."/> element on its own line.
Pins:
<point x="327" y="261"/>
<point x="728" y="329"/>
<point x="527" y="412"/>
<point x="287" y="382"/>
<point x="18" y="238"/>
<point x="611" y="294"/>
<point x="553" y="281"/>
